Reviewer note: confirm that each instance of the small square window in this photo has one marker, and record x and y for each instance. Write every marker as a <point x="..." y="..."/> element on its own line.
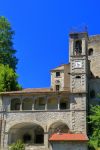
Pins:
<point x="57" y="74"/>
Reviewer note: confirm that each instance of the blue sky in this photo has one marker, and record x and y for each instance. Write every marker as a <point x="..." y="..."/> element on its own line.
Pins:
<point x="41" y="33"/>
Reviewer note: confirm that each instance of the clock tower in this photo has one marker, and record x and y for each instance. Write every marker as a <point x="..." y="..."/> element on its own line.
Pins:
<point x="78" y="80"/>
<point x="78" y="62"/>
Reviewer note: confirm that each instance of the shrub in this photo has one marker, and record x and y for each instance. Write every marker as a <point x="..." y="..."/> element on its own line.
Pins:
<point x="19" y="145"/>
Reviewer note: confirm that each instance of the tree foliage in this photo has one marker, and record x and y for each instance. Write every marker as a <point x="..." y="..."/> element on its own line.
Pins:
<point x="19" y="145"/>
<point x="8" y="79"/>
<point x="7" y="52"/>
<point x="95" y="126"/>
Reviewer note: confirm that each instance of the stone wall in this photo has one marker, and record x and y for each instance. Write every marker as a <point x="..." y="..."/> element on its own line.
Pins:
<point x="94" y="85"/>
<point x="94" y="43"/>
<point x="75" y="120"/>
<point x="44" y="119"/>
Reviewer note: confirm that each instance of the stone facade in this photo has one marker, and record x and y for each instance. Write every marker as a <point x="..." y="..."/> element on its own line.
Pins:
<point x="63" y="79"/>
<point x="33" y="115"/>
<point x="94" y="54"/>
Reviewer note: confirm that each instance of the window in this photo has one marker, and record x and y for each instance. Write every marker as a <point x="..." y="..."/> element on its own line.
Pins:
<point x="78" y="77"/>
<point x="90" y="51"/>
<point x="27" y="104"/>
<point x="15" y="104"/>
<point x="41" y="101"/>
<point x="63" y="104"/>
<point x="57" y="74"/>
<point x="78" y="47"/>
<point x="57" y="87"/>
<point x="92" y="94"/>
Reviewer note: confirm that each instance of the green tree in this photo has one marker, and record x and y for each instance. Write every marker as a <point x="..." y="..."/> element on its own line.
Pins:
<point x="95" y="126"/>
<point x="8" y="79"/>
<point x="19" y="145"/>
<point x="7" y="52"/>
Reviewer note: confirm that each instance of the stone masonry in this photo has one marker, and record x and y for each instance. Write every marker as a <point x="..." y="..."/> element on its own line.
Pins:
<point x="34" y="115"/>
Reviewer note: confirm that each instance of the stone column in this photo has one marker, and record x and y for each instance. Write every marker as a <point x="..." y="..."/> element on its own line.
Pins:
<point x="33" y="103"/>
<point x="5" y="141"/>
<point x="46" y="138"/>
<point x="72" y="114"/>
<point x="46" y="102"/>
<point x="21" y="104"/>
<point x="84" y="46"/>
<point x="9" y="107"/>
<point x="58" y="102"/>
<point x="2" y="135"/>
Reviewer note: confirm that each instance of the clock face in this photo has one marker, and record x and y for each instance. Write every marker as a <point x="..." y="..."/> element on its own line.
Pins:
<point x="78" y="64"/>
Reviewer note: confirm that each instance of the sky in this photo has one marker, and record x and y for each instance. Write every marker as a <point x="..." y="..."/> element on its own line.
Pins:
<point x="42" y="32"/>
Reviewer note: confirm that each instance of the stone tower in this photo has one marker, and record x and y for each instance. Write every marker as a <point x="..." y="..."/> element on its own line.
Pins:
<point x="78" y="79"/>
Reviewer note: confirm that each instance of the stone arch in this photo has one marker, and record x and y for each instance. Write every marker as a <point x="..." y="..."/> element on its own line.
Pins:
<point x="64" y="103"/>
<point x="58" y="126"/>
<point x="52" y="102"/>
<point x="13" y="123"/>
<point x="15" y="104"/>
<point x="27" y="103"/>
<point x="25" y="97"/>
<point x="28" y="132"/>
<point x="78" y="47"/>
<point x="39" y="103"/>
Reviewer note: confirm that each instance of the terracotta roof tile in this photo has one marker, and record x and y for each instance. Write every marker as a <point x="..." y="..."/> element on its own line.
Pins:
<point x="31" y="90"/>
<point x="68" y="137"/>
<point x="59" y="68"/>
<point x="28" y="90"/>
<point x="36" y="90"/>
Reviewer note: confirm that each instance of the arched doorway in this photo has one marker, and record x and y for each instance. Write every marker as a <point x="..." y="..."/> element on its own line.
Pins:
<point x="27" y="104"/>
<point x="52" y="103"/>
<point x="39" y="103"/>
<point x="15" y="104"/>
<point x="58" y="127"/>
<point x="30" y="133"/>
<point x="78" y="47"/>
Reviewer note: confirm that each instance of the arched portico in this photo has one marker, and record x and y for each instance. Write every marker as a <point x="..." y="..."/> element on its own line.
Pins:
<point x="15" y="104"/>
<point x="58" y="127"/>
<point x="29" y="133"/>
<point x="27" y="104"/>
